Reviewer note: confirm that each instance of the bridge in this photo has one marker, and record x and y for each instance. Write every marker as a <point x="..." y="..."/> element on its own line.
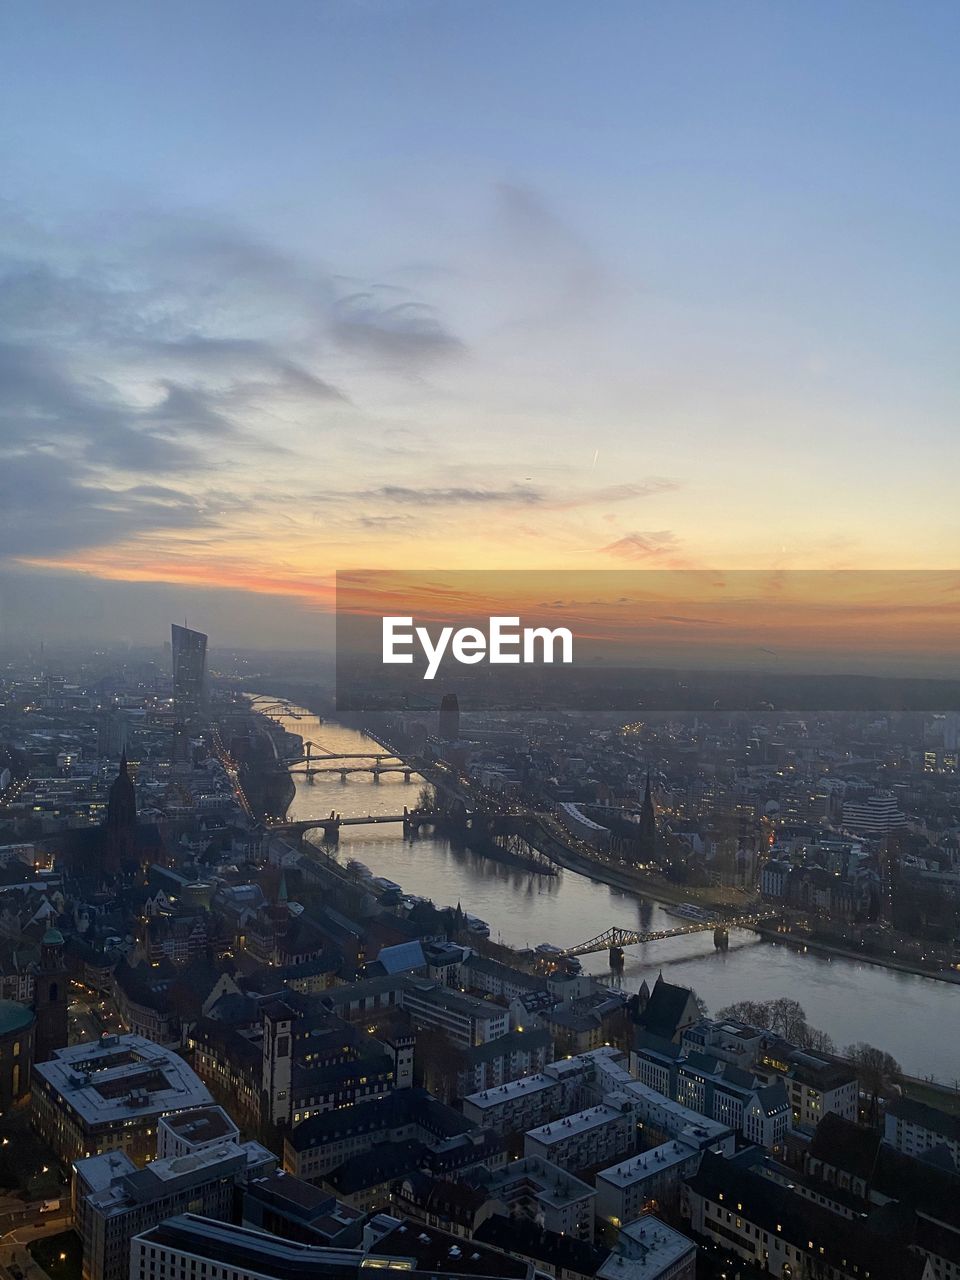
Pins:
<point x="375" y="762"/>
<point x="615" y="939"/>
<point x="265" y="705"/>
<point x="412" y="820"/>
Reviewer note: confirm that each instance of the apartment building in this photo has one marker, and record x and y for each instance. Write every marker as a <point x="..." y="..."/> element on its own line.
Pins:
<point x="587" y="1138"/>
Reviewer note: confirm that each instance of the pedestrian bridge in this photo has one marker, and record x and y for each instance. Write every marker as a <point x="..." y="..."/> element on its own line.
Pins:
<point x="615" y="939"/>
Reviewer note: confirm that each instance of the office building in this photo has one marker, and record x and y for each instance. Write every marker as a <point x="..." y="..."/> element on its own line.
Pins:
<point x="323" y="1142"/>
<point x="466" y="1020"/>
<point x="289" y="1207"/>
<point x="203" y="1249"/>
<point x="110" y="1095"/>
<point x="448" y="726"/>
<point x="189" y="673"/>
<point x="186" y="1132"/>
<point x="878" y="815"/>
<point x="115" y="1200"/>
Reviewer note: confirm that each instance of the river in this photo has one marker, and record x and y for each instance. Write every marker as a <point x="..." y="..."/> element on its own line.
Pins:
<point x="910" y="1016"/>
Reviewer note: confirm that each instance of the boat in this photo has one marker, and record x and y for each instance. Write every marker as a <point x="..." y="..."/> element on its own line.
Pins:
<point x="476" y="925"/>
<point x="388" y="888"/>
<point x="689" y="911"/>
<point x="359" y="869"/>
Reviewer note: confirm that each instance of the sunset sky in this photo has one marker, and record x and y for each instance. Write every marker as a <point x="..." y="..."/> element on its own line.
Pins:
<point x="314" y="286"/>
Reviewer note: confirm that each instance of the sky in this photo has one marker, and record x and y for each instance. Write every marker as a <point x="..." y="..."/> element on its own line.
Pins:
<point x="296" y="288"/>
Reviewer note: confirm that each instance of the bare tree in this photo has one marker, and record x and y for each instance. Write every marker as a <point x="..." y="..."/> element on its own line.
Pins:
<point x="755" y="1013"/>
<point x="439" y="1061"/>
<point x="784" y="1017"/>
<point x="877" y="1071"/>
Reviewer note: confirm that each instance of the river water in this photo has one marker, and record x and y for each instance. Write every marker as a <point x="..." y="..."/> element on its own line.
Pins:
<point x="913" y="1018"/>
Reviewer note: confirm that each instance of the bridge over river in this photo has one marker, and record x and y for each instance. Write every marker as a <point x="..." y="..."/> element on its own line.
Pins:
<point x="615" y="939"/>
<point x="412" y="820"/>
<point x="377" y="763"/>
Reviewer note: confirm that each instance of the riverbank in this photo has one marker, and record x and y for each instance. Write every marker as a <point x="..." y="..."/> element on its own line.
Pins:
<point x="653" y="888"/>
<point x="648" y="891"/>
<point x="846" y="953"/>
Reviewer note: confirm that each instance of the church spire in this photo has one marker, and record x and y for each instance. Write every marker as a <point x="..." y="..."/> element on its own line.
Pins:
<point x="647" y="832"/>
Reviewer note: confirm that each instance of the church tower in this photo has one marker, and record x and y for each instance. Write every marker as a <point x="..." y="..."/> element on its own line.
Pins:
<point x="50" y="997"/>
<point x="647" y="836"/>
<point x="121" y="820"/>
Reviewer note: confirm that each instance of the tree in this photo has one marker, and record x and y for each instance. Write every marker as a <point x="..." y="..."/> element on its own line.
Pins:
<point x="755" y="1013"/>
<point x="815" y="1039"/>
<point x="427" y="800"/>
<point x="877" y="1071"/>
<point x="787" y="1018"/>
<point x="701" y="1004"/>
<point x="438" y="1062"/>
<point x="783" y="1017"/>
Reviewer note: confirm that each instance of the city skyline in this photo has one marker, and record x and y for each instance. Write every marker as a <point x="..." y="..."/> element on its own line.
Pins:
<point x="394" y="286"/>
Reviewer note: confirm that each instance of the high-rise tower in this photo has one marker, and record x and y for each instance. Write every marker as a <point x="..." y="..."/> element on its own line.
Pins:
<point x="189" y="673"/>
<point x="448" y="727"/>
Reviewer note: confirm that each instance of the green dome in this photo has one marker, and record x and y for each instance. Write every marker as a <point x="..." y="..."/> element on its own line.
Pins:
<point x="14" y="1017"/>
<point x="52" y="938"/>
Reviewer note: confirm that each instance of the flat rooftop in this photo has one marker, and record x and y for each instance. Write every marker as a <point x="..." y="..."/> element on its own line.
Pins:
<point x="241" y="1249"/>
<point x="646" y="1250"/>
<point x="580" y="1122"/>
<point x="637" y="1168"/>
<point x="550" y="1184"/>
<point x="302" y="1200"/>
<point x="205" y="1124"/>
<point x="525" y="1087"/>
<point x="163" y="1178"/>
<point x="439" y="1253"/>
<point x="122" y="1078"/>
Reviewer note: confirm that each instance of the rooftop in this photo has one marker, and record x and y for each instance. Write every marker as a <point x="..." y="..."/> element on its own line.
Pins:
<point x="608" y="1112"/>
<point x="910" y="1111"/>
<point x="438" y="1252"/>
<point x="551" y="1184"/>
<point x="303" y="1201"/>
<point x="241" y="1249"/>
<point x="653" y="1161"/>
<point x="526" y="1086"/>
<point x="645" y="1250"/>
<point x="120" y="1077"/>
<point x="14" y="1017"/>
<point x="205" y="1124"/>
<point x="164" y="1178"/>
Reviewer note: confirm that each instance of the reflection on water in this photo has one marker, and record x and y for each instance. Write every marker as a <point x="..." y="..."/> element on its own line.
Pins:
<point x="899" y="1012"/>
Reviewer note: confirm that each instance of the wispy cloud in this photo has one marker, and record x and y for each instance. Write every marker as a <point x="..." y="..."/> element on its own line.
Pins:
<point x="654" y="545"/>
<point x="405" y="333"/>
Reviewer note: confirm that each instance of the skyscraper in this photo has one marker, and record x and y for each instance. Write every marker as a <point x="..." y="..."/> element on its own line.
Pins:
<point x="449" y="720"/>
<point x="189" y="672"/>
